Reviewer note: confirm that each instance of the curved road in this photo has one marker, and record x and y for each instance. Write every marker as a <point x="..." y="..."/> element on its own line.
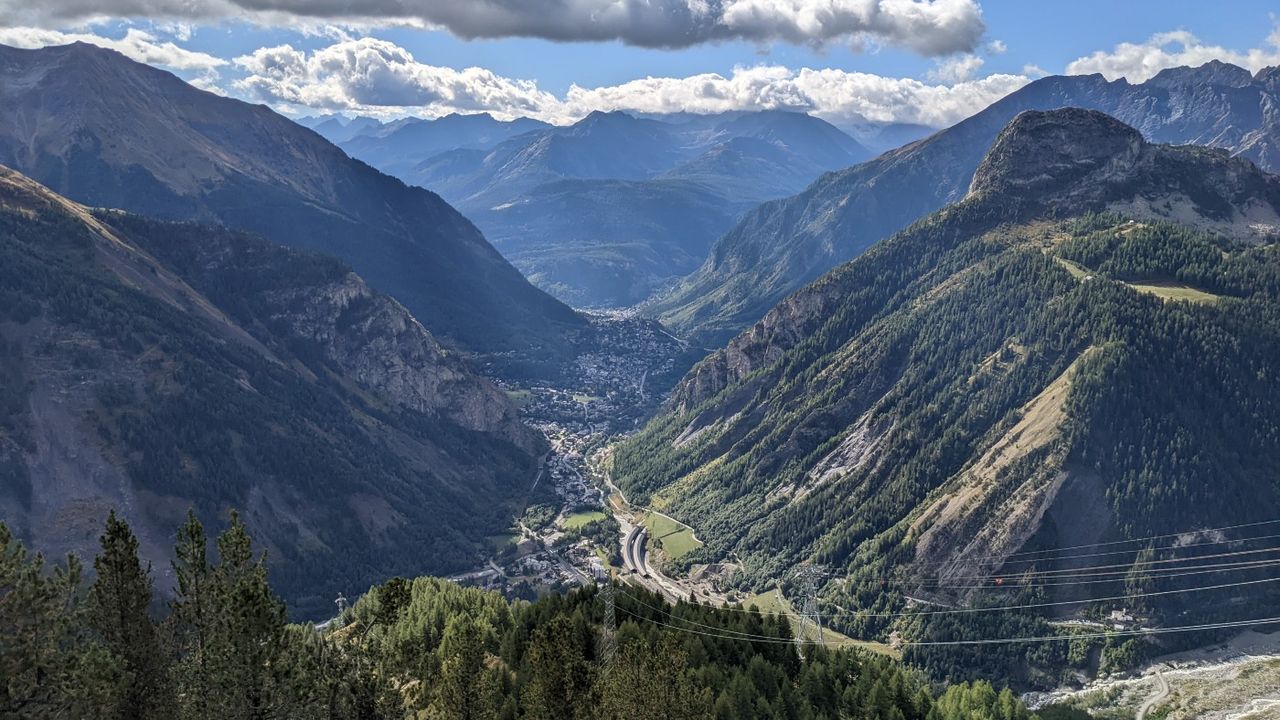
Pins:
<point x="1152" y="701"/>
<point x="633" y="551"/>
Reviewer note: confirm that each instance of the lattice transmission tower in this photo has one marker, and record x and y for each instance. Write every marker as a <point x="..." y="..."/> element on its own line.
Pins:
<point x="608" y="649"/>
<point x="808" y="580"/>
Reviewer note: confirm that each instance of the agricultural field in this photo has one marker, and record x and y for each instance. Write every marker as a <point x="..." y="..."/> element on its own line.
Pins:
<point x="579" y="520"/>
<point x="676" y="538"/>
<point x="501" y="540"/>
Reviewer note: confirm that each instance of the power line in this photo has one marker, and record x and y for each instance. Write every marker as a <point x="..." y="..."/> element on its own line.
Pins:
<point x="1133" y="551"/>
<point x="1059" y="603"/>
<point x="748" y="638"/>
<point x="990" y="641"/>
<point x="1169" y="573"/>
<point x="810" y="578"/>
<point x="608" y="649"/>
<point x="997" y="608"/>
<point x="1113" y="633"/>
<point x="810" y="614"/>
<point x="1091" y="568"/>
<point x="1136" y="540"/>
<point x="1019" y="580"/>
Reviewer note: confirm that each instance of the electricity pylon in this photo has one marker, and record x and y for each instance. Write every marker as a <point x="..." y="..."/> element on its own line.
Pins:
<point x="808" y="581"/>
<point x="608" y="630"/>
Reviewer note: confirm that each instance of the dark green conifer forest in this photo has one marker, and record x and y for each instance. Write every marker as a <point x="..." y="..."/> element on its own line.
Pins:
<point x="220" y="648"/>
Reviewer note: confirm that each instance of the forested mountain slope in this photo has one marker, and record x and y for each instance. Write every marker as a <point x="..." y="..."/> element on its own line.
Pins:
<point x="152" y="367"/>
<point x="421" y="648"/>
<point x="782" y="245"/>
<point x="109" y="132"/>
<point x="1013" y="373"/>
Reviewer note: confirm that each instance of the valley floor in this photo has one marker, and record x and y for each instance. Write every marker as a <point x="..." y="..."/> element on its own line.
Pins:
<point x="614" y="387"/>
<point x="1238" y="680"/>
<point x="578" y="527"/>
<point x="552" y="547"/>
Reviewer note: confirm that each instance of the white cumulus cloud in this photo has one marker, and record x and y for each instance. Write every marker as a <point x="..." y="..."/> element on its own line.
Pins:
<point x="956" y="69"/>
<point x="372" y="76"/>
<point x="368" y="74"/>
<point x="1138" y="62"/>
<point x="137" y="44"/>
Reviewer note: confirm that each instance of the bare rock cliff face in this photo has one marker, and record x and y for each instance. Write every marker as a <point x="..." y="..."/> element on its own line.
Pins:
<point x="1042" y="152"/>
<point x="786" y="325"/>
<point x="375" y="341"/>
<point x="345" y="327"/>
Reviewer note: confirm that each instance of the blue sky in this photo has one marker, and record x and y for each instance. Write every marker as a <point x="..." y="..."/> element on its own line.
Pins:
<point x="885" y="60"/>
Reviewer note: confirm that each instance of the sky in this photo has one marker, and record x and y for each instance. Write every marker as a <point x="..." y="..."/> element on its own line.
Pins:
<point x="930" y="62"/>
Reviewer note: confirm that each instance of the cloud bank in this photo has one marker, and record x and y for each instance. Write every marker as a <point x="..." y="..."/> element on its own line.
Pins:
<point x="1138" y="62"/>
<point x="377" y="77"/>
<point x="368" y="75"/>
<point x="928" y="27"/>
<point x="137" y="44"/>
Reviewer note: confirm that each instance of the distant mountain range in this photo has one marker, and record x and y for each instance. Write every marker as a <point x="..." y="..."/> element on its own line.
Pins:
<point x="1079" y="352"/>
<point x="339" y="128"/>
<point x="106" y="131"/>
<point x="781" y="245"/>
<point x="398" y="147"/>
<point x="152" y="367"/>
<point x="603" y="211"/>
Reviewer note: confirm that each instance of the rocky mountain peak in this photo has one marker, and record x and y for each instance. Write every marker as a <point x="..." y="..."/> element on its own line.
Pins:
<point x="1072" y="160"/>
<point x="1214" y="72"/>
<point x="1269" y="78"/>
<point x="1042" y="150"/>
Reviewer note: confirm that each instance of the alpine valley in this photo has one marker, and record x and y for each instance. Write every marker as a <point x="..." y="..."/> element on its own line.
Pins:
<point x="533" y="408"/>
<point x="604" y="212"/>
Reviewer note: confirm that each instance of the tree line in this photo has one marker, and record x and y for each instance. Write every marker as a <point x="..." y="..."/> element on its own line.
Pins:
<point x="220" y="647"/>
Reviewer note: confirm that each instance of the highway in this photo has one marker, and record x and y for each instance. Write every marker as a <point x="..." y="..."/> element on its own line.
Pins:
<point x="633" y="551"/>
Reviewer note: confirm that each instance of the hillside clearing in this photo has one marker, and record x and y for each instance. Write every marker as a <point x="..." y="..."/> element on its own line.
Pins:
<point x="675" y="538"/>
<point x="1077" y="270"/>
<point x="520" y="398"/>
<point x="773" y="602"/>
<point x="1175" y="291"/>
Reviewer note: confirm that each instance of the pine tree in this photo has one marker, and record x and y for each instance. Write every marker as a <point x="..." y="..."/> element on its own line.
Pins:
<point x="467" y="689"/>
<point x="118" y="612"/>
<point x="560" y="679"/>
<point x="393" y="597"/>
<point x="248" y="629"/>
<point x="650" y="682"/>
<point x="317" y="677"/>
<point x="49" y="667"/>
<point x="192" y="619"/>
